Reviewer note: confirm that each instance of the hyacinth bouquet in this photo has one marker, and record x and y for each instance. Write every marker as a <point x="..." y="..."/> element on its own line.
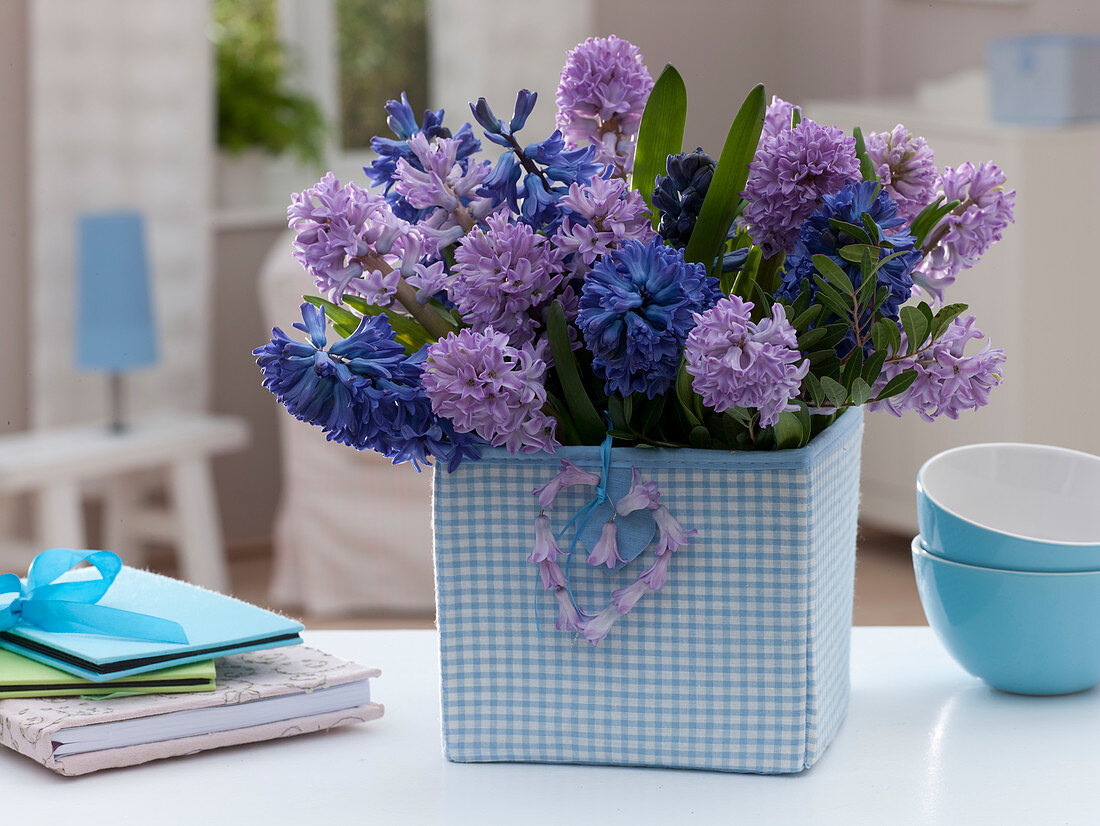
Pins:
<point x="601" y="286"/>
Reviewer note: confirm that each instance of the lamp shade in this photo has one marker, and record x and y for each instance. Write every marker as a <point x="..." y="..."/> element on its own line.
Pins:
<point x="115" y="329"/>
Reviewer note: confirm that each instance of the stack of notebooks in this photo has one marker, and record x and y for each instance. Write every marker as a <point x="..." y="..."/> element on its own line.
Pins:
<point x="77" y="703"/>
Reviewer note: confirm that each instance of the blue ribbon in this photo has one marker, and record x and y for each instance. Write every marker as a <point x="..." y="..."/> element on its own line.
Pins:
<point x="70" y="607"/>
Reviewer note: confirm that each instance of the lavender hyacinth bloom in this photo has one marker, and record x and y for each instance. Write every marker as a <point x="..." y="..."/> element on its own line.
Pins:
<point x="600" y="216"/>
<point x="778" y="117"/>
<point x="737" y="362"/>
<point x="503" y="276"/>
<point x="635" y="312"/>
<point x="568" y="476"/>
<point x="948" y="381"/>
<point x="606" y="551"/>
<point x="671" y="535"/>
<point x="346" y="237"/>
<point x="640" y="496"/>
<point x="570" y="618"/>
<point x="789" y="175"/>
<point x="906" y="167"/>
<point x="546" y="553"/>
<point x="603" y="90"/>
<point x="964" y="235"/>
<point x="486" y="386"/>
<point x="596" y="628"/>
<point x="442" y="181"/>
<point x="624" y="599"/>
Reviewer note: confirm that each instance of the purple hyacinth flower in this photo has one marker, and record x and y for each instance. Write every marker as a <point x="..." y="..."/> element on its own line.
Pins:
<point x="656" y="575"/>
<point x="570" y="618"/>
<point x="603" y="91"/>
<point x="957" y="243"/>
<point x="640" y="496"/>
<point x="546" y="547"/>
<point x="568" y="475"/>
<point x="778" y="117"/>
<point x="504" y="276"/>
<point x="906" y="167"/>
<point x="596" y="628"/>
<point x="671" y="534"/>
<point x="789" y="175"/>
<point x="736" y="362"/>
<point x="606" y="551"/>
<point x="948" y="381"/>
<point x="626" y="598"/>
<point x="486" y="386"/>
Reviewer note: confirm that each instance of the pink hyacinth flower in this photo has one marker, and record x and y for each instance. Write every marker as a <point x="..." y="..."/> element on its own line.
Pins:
<point x="672" y="535"/>
<point x="597" y="627"/>
<point x="626" y="598"/>
<point x="606" y="551"/>
<point x="568" y="475"/>
<point x="569" y="618"/>
<point x="546" y="547"/>
<point x="641" y="495"/>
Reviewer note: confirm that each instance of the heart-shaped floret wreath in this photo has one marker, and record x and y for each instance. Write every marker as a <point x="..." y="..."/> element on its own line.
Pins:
<point x="671" y="537"/>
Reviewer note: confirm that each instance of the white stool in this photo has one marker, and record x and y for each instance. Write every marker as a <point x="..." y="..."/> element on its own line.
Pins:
<point x="58" y="466"/>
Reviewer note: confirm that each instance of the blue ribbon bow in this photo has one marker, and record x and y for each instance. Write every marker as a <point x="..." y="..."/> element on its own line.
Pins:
<point x="70" y="607"/>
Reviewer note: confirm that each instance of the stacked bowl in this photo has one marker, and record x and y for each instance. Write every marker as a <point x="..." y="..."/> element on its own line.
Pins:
<point x="1008" y="563"/>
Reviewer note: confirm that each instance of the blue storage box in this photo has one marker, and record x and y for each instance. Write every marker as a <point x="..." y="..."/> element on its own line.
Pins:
<point x="1045" y="79"/>
<point x="740" y="663"/>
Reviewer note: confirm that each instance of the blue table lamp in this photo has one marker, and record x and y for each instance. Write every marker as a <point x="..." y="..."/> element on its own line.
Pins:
<point x="115" y="327"/>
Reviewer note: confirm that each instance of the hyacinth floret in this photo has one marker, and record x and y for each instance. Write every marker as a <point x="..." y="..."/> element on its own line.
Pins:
<point x="819" y="237"/>
<point x="736" y="362"/>
<point x="636" y="310"/>
<point x="503" y="275"/>
<point x="964" y="235"/>
<point x="778" y="117"/>
<point x="348" y="239"/>
<point x="679" y="195"/>
<point x="948" y="380"/>
<point x="402" y="123"/>
<point x="603" y="91"/>
<point x="906" y="166"/>
<point x="362" y="391"/>
<point x="600" y="216"/>
<point x="484" y="385"/>
<point x="789" y="175"/>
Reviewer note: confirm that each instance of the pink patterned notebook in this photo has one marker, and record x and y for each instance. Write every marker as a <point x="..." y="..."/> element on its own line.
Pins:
<point x="260" y="695"/>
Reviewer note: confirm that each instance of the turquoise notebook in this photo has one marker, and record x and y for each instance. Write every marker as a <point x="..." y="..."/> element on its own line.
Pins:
<point x="216" y="626"/>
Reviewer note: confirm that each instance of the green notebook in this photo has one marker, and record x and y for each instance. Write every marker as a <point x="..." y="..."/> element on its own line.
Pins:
<point x="23" y="677"/>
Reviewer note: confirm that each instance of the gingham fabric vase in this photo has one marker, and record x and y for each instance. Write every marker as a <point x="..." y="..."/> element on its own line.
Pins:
<point x="740" y="663"/>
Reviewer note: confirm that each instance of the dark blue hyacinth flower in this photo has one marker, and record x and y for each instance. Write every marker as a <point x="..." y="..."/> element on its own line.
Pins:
<point x="818" y="237"/>
<point x="402" y="122"/>
<point x="678" y="196"/>
<point x="636" y="312"/>
<point x="363" y="391"/>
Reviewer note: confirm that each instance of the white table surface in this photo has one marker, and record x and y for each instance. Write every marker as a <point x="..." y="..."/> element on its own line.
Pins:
<point x="923" y="743"/>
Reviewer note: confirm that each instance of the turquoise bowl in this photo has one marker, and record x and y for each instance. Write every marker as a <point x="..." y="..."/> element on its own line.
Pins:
<point x="1011" y="506"/>
<point x="1021" y="632"/>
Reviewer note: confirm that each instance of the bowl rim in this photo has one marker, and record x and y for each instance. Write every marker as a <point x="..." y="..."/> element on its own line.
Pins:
<point x="922" y="490"/>
<point x="918" y="550"/>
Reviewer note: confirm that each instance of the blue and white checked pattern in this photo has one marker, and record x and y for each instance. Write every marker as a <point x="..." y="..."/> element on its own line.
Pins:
<point x="740" y="663"/>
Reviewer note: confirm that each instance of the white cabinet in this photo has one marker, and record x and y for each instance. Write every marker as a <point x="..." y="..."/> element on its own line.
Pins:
<point x="1036" y="294"/>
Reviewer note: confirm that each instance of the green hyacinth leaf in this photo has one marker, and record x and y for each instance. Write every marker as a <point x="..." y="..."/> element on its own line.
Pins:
<point x="724" y="195"/>
<point x="589" y="425"/>
<point x="660" y="134"/>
